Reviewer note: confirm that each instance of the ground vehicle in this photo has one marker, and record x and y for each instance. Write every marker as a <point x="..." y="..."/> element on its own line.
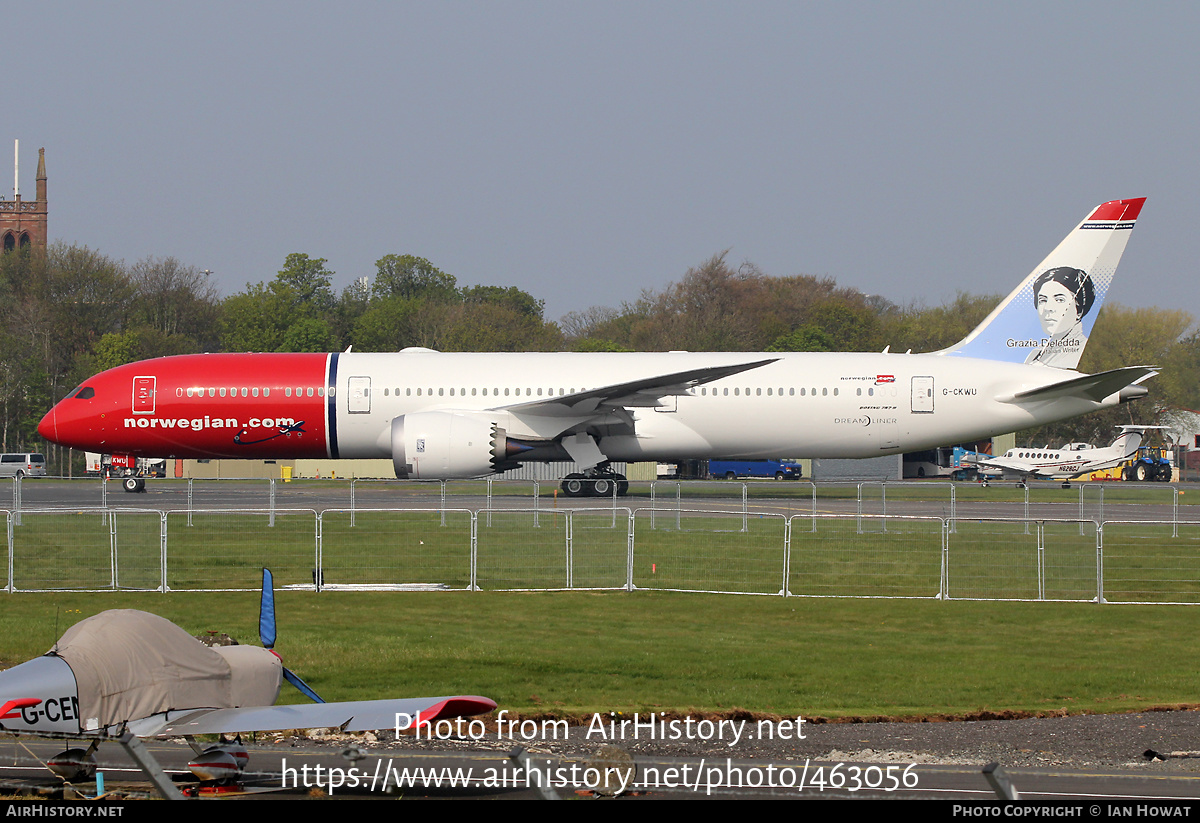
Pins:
<point x="23" y="464"/>
<point x="733" y="469"/>
<point x="133" y="469"/>
<point x="1150" y="463"/>
<point x="940" y="462"/>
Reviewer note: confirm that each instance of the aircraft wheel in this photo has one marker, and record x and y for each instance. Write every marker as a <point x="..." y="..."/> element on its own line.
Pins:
<point x="622" y="486"/>
<point x="601" y="487"/>
<point x="572" y="486"/>
<point x="132" y="485"/>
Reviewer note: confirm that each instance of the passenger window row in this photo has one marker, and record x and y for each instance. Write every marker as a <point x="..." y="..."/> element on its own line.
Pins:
<point x="254" y="391"/>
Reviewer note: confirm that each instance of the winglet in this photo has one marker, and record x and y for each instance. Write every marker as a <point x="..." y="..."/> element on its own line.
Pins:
<point x="455" y="707"/>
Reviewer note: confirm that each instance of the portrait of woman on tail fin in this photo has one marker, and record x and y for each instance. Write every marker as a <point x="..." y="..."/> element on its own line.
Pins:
<point x="1062" y="297"/>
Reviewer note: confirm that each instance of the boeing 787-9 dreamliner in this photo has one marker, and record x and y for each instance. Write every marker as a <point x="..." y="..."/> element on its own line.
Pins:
<point x="463" y="415"/>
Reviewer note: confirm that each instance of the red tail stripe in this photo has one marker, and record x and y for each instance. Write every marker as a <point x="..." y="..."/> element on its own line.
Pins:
<point x="1119" y="209"/>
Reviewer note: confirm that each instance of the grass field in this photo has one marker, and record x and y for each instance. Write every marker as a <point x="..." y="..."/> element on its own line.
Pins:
<point x="571" y="652"/>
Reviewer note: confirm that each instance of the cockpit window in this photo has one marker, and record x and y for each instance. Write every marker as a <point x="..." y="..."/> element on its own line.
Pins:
<point x="82" y="393"/>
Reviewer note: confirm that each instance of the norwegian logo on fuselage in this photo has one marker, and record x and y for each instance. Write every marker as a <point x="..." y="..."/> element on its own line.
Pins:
<point x="884" y="378"/>
<point x="143" y="394"/>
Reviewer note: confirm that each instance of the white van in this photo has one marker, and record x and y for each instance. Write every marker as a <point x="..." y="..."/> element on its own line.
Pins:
<point x="25" y="464"/>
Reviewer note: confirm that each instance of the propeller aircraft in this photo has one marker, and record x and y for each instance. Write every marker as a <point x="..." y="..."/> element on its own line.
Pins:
<point x="125" y="674"/>
<point x="1072" y="460"/>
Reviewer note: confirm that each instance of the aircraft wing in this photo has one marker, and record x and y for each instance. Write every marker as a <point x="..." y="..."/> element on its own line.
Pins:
<point x="982" y="462"/>
<point x="646" y="392"/>
<point x="354" y="716"/>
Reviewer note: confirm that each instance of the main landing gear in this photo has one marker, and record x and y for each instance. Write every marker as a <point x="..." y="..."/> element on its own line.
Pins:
<point x="595" y="483"/>
<point x="133" y="483"/>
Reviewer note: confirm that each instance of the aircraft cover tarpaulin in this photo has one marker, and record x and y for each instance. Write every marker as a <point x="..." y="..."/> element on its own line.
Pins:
<point x="130" y="664"/>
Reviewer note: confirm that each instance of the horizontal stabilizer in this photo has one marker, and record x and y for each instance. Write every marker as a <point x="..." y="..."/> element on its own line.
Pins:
<point x="1094" y="387"/>
<point x="353" y="716"/>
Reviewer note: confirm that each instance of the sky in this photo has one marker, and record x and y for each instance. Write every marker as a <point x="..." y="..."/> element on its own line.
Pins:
<point x="586" y="151"/>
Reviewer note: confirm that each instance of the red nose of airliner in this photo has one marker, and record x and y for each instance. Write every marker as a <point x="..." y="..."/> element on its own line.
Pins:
<point x="47" y="428"/>
<point x="70" y="423"/>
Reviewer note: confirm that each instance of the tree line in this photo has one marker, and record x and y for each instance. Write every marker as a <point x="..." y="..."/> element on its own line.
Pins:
<point x="72" y="311"/>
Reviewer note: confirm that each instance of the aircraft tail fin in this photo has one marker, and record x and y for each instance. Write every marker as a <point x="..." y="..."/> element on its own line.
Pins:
<point x="1049" y="316"/>
<point x="1132" y="437"/>
<point x="1129" y="440"/>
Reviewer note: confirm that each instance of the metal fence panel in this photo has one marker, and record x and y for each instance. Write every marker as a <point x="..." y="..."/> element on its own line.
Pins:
<point x="1050" y="501"/>
<point x="87" y="549"/>
<point x="1151" y="562"/>
<point x="599" y="548"/>
<point x="414" y="494"/>
<point x="521" y="549"/>
<point x="851" y="556"/>
<point x="56" y="492"/>
<point x="1144" y="501"/>
<point x="709" y="552"/>
<point x="416" y="549"/>
<point x="1069" y="564"/>
<point x="995" y="500"/>
<point x="227" y="549"/>
<point x="988" y="559"/>
<point x="1021" y="560"/>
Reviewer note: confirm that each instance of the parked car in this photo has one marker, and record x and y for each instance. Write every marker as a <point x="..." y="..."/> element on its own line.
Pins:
<point x="23" y="464"/>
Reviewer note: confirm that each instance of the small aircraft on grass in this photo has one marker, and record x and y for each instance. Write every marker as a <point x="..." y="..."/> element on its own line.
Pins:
<point x="1072" y="460"/>
<point x="125" y="674"/>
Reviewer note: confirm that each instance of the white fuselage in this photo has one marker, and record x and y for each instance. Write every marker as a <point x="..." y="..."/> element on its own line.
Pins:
<point x="802" y="405"/>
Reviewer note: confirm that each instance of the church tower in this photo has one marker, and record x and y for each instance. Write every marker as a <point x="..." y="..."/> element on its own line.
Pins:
<point x="23" y="222"/>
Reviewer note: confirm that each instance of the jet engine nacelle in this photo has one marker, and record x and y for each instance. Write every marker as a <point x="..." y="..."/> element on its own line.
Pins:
<point x="446" y="445"/>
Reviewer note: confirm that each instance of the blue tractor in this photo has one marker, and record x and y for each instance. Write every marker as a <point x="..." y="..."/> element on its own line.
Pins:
<point x="1150" y="463"/>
